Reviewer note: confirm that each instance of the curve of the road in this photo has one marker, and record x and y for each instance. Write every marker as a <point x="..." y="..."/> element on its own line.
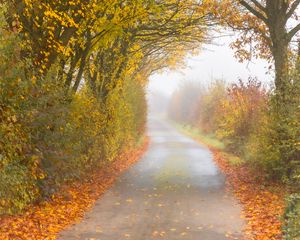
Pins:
<point x="175" y="192"/>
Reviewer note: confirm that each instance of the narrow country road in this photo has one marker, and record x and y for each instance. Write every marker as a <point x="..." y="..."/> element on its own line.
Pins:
<point x="174" y="192"/>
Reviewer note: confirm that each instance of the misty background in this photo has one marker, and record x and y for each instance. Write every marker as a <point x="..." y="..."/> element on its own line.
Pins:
<point x="214" y="61"/>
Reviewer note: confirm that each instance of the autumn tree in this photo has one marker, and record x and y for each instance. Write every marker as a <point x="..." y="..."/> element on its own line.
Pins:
<point x="152" y="44"/>
<point x="267" y="27"/>
<point x="268" y="30"/>
<point x="84" y="65"/>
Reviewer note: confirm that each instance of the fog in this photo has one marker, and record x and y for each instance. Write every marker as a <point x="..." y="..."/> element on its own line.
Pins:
<point x="214" y="61"/>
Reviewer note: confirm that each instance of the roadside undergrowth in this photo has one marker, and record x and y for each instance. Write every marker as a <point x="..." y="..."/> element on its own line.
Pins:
<point x="262" y="201"/>
<point x="46" y="220"/>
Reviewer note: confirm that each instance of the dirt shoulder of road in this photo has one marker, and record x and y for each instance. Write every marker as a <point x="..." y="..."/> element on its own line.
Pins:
<point x="47" y="219"/>
<point x="262" y="201"/>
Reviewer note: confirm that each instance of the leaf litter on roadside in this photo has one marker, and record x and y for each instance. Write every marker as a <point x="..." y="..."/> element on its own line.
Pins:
<point x="47" y="219"/>
<point x="262" y="207"/>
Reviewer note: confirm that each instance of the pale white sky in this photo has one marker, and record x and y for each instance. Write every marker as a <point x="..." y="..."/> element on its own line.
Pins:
<point x="217" y="61"/>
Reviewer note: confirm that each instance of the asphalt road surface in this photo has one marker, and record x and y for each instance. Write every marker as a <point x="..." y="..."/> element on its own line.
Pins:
<point x="175" y="192"/>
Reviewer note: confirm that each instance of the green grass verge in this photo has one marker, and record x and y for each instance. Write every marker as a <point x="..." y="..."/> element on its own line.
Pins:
<point x="210" y="140"/>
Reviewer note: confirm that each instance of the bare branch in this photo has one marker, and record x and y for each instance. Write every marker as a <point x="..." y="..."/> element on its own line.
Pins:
<point x="292" y="9"/>
<point x="293" y="32"/>
<point x="253" y="10"/>
<point x="259" y="5"/>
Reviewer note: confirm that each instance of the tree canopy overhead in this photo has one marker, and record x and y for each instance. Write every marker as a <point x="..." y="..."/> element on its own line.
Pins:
<point x="94" y="35"/>
<point x="72" y="83"/>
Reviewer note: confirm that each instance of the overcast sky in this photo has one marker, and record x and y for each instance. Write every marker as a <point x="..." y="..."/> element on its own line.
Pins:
<point x="217" y="61"/>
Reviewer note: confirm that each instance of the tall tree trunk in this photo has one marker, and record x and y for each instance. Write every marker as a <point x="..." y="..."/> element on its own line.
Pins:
<point x="280" y="52"/>
<point x="84" y="56"/>
<point x="298" y="59"/>
<point x="276" y="12"/>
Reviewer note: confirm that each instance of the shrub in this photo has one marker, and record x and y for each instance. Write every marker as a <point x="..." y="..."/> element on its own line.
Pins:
<point x="291" y="218"/>
<point x="208" y="106"/>
<point x="19" y="169"/>
<point x="239" y="114"/>
<point x="277" y="139"/>
<point x="137" y="103"/>
<point x="20" y="188"/>
<point x="184" y="103"/>
<point x="49" y="137"/>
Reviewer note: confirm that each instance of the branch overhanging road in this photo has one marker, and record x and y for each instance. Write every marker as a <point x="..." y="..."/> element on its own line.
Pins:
<point x="174" y="192"/>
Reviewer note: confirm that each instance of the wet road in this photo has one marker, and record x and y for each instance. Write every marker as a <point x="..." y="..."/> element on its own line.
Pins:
<point x="174" y="192"/>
